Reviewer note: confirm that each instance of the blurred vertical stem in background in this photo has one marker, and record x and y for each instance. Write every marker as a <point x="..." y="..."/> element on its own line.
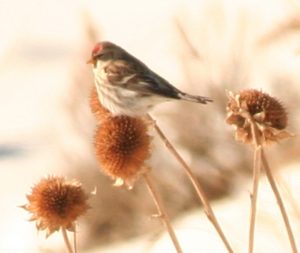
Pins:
<point x="200" y="192"/>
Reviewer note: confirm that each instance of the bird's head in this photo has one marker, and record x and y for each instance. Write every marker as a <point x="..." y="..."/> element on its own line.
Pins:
<point x="104" y="51"/>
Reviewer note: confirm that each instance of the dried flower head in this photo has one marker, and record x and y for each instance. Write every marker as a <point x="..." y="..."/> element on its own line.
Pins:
<point x="122" y="145"/>
<point x="56" y="203"/>
<point x="97" y="109"/>
<point x="265" y="111"/>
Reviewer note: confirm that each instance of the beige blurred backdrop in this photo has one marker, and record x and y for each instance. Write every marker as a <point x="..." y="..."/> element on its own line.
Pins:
<point x="202" y="47"/>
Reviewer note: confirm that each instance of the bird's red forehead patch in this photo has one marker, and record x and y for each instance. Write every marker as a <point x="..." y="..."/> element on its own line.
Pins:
<point x="98" y="48"/>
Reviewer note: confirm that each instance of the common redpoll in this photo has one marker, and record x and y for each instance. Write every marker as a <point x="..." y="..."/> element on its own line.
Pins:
<point x="126" y="86"/>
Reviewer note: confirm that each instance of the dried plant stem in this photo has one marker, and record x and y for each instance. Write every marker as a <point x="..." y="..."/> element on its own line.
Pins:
<point x="279" y="202"/>
<point x="161" y="211"/>
<point x="256" y="174"/>
<point x="254" y="131"/>
<point x="66" y="240"/>
<point x="75" y="239"/>
<point x="200" y="192"/>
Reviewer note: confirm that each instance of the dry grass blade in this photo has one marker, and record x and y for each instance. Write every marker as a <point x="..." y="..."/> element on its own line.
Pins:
<point x="200" y="192"/>
<point x="162" y="214"/>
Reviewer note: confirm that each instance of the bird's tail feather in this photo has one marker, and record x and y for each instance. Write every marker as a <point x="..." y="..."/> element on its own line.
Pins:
<point x="195" y="99"/>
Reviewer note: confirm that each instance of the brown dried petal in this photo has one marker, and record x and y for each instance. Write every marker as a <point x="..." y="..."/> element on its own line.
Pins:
<point x="263" y="110"/>
<point x="258" y="102"/>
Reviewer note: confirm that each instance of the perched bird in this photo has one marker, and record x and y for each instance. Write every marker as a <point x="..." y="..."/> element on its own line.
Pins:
<point x="126" y="86"/>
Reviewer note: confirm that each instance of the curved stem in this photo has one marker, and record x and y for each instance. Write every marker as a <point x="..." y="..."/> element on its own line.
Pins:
<point x="200" y="192"/>
<point x="279" y="202"/>
<point x="161" y="210"/>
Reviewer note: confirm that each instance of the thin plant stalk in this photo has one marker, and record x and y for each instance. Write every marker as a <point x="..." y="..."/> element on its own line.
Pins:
<point x="279" y="202"/>
<point x="256" y="174"/>
<point x="253" y="196"/>
<point x="75" y="239"/>
<point x="200" y="192"/>
<point x="162" y="214"/>
<point x="274" y="187"/>
<point x="66" y="240"/>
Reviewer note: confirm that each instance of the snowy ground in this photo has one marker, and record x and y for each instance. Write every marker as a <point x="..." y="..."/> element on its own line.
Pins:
<point x="196" y="234"/>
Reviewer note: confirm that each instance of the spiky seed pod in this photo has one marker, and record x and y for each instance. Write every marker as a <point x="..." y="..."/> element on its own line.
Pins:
<point x="122" y="145"/>
<point x="56" y="203"/>
<point x="97" y="109"/>
<point x="266" y="111"/>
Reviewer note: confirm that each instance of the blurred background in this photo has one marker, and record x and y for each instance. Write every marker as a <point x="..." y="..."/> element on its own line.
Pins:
<point x="201" y="46"/>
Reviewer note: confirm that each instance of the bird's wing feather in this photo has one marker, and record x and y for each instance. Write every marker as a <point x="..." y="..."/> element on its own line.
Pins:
<point x="138" y="77"/>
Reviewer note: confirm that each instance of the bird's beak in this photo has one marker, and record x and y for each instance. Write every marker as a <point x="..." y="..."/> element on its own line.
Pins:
<point x="91" y="61"/>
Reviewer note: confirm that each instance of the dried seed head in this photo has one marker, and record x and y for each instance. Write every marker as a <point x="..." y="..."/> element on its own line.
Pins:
<point x="267" y="112"/>
<point x="122" y="146"/>
<point x="56" y="203"/>
<point x="97" y="109"/>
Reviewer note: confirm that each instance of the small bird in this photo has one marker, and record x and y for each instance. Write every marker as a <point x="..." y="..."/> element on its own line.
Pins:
<point x="126" y="86"/>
